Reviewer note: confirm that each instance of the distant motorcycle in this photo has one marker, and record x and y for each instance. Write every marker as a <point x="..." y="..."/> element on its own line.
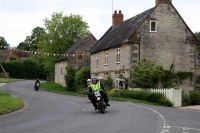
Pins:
<point x="100" y="102"/>
<point x="37" y="86"/>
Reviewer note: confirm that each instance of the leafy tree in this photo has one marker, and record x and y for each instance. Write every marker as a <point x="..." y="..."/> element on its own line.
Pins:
<point x="61" y="32"/>
<point x="31" y="42"/>
<point x="70" y="78"/>
<point x="82" y="75"/>
<point x="3" y="42"/>
<point x="146" y="74"/>
<point x="197" y="34"/>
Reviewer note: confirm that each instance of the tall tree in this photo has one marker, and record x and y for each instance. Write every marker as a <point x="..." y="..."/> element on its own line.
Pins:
<point x="61" y="32"/>
<point x="30" y="43"/>
<point x="3" y="43"/>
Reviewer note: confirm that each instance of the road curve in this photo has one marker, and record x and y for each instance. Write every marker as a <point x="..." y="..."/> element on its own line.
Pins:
<point x="47" y="112"/>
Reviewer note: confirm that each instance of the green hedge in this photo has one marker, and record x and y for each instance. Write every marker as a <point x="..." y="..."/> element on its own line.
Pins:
<point x="146" y="96"/>
<point x="195" y="97"/>
<point x="26" y="69"/>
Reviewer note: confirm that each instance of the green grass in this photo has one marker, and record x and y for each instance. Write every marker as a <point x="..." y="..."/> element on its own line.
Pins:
<point x="57" y="88"/>
<point x="7" y="80"/>
<point x="9" y="103"/>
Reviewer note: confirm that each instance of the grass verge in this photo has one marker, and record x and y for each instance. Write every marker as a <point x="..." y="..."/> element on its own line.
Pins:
<point x="7" y="80"/>
<point x="9" y="103"/>
<point x="57" y="88"/>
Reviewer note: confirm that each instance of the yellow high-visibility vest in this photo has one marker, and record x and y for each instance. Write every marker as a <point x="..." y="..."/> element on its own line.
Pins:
<point x="96" y="87"/>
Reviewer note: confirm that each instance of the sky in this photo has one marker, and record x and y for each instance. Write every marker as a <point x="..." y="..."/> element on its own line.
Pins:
<point x="19" y="17"/>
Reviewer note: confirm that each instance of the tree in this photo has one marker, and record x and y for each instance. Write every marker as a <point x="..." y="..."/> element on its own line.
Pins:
<point x="61" y="32"/>
<point x="31" y="42"/>
<point x="3" y="43"/>
<point x="146" y="74"/>
<point x="197" y="34"/>
<point x="70" y="78"/>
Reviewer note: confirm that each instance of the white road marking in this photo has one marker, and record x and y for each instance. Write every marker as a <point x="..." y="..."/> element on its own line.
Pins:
<point x="49" y="97"/>
<point x="72" y="103"/>
<point x="2" y="84"/>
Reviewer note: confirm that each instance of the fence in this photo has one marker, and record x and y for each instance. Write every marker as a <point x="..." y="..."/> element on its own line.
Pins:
<point x="50" y="78"/>
<point x="175" y="96"/>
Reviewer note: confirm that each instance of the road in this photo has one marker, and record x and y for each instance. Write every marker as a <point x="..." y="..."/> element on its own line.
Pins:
<point x="47" y="112"/>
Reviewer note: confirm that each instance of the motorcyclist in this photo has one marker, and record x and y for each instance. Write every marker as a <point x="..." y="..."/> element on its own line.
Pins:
<point x="94" y="87"/>
<point x="37" y="81"/>
<point x="103" y="87"/>
<point x="88" y="86"/>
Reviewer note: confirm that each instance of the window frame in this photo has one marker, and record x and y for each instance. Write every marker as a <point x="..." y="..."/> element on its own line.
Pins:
<point x="118" y="56"/>
<point x="80" y="53"/>
<point x="106" y="58"/>
<point x="153" y="21"/>
<point x="96" y="60"/>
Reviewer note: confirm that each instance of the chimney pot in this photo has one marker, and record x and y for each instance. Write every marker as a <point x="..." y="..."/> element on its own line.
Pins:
<point x="117" y="17"/>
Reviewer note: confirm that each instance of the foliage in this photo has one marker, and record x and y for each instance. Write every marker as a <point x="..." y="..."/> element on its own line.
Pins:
<point x="82" y="75"/>
<point x="70" y="78"/>
<point x="114" y="92"/>
<point x="146" y="74"/>
<point x="31" y="42"/>
<point x="197" y="34"/>
<point x="61" y="32"/>
<point x="108" y="83"/>
<point x="2" y="76"/>
<point x="3" y="42"/>
<point x="26" y="69"/>
<point x="146" y="96"/>
<point x="195" y="97"/>
<point x="184" y="75"/>
<point x="185" y="99"/>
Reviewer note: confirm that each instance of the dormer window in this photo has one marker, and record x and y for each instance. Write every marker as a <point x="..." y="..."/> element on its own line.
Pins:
<point x="153" y="26"/>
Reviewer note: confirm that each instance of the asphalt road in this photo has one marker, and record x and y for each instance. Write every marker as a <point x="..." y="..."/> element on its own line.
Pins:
<point x="47" y="112"/>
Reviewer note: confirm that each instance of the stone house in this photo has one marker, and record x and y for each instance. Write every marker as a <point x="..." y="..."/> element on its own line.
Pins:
<point x="77" y="55"/>
<point x="159" y="34"/>
<point x="10" y="55"/>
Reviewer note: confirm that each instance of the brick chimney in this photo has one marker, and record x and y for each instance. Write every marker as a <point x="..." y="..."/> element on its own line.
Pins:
<point x="163" y="1"/>
<point x="117" y="17"/>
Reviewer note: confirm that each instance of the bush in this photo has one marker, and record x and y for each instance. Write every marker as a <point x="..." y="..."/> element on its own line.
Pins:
<point x="108" y="83"/>
<point x="146" y="96"/>
<point x="185" y="99"/>
<point x="114" y="92"/>
<point x="70" y="78"/>
<point x="195" y="97"/>
<point x="2" y="76"/>
<point x="81" y="76"/>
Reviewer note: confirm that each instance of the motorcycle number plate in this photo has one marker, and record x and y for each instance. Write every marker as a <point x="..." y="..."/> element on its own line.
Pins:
<point x="98" y="98"/>
<point x="97" y="93"/>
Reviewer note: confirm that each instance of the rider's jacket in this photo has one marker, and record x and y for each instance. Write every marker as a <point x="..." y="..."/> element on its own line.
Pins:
<point x="96" y="87"/>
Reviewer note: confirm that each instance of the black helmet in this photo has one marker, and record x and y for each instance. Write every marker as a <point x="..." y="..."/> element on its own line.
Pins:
<point x="94" y="79"/>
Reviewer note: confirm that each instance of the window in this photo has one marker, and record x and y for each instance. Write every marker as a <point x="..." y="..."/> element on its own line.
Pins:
<point x="80" y="55"/>
<point x="12" y="59"/>
<point x="134" y="55"/>
<point x="153" y="26"/>
<point x="135" y="48"/>
<point x="96" y="60"/>
<point x="106" y="58"/>
<point x="117" y="77"/>
<point x="118" y="55"/>
<point x="134" y="61"/>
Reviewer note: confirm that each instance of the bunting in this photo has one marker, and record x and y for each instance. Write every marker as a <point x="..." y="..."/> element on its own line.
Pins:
<point x="42" y="53"/>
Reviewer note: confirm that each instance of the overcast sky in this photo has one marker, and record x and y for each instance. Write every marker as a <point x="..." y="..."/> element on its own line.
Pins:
<point x="19" y="17"/>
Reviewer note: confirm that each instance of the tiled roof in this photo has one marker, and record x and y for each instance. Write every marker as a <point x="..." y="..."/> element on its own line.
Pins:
<point x="119" y="33"/>
<point x="72" y="48"/>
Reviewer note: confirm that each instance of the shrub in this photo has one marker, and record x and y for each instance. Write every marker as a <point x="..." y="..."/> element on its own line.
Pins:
<point x="155" y="97"/>
<point x="2" y="76"/>
<point x="108" y="83"/>
<point x="195" y="97"/>
<point x="185" y="99"/>
<point x="114" y="92"/>
<point x="70" y="78"/>
<point x="165" y="102"/>
<point x="82" y="75"/>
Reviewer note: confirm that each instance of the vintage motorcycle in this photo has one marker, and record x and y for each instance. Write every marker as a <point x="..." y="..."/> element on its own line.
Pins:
<point x="100" y="102"/>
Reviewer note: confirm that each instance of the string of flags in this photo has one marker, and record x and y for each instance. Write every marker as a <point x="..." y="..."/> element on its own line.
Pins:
<point x="43" y="53"/>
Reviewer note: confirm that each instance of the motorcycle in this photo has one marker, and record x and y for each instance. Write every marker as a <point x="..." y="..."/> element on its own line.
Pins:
<point x="100" y="102"/>
<point x="89" y="94"/>
<point x="37" y="86"/>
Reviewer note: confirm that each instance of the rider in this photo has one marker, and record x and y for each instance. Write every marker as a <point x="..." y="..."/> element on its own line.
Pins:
<point x="37" y="81"/>
<point x="94" y="87"/>
<point x="103" y="87"/>
<point x="88" y="86"/>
